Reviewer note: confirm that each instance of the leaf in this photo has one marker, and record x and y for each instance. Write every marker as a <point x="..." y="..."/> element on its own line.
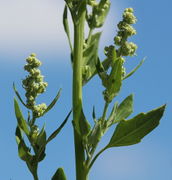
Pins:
<point x="40" y="142"/>
<point x="112" y="116"/>
<point x="95" y="135"/>
<point x="134" y="70"/>
<point x="114" y="83"/>
<point x="23" y="152"/>
<point x="90" y="57"/>
<point x="41" y="145"/>
<point x="56" y="132"/>
<point x="19" y="135"/>
<point x="101" y="71"/>
<point x="53" y="102"/>
<point x="20" y="119"/>
<point x="106" y="63"/>
<point x="132" y="131"/>
<point x="84" y="125"/>
<point x="124" y="109"/>
<point x="66" y="25"/>
<point x="18" y="95"/>
<point x="59" y="175"/>
<point x="92" y="48"/>
<point x="94" y="114"/>
<point x="41" y="139"/>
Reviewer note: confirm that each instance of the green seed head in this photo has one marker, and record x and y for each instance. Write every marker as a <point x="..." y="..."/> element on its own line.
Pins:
<point x="34" y="84"/>
<point x="128" y="49"/>
<point x="128" y="16"/>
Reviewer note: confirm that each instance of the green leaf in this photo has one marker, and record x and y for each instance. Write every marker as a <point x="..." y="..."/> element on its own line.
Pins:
<point x="56" y="132"/>
<point x="53" y="102"/>
<point x="41" y="139"/>
<point x="101" y="71"/>
<point x="134" y="70"/>
<point x="94" y="114"/>
<point x="84" y="125"/>
<point x="66" y="25"/>
<point x="106" y="63"/>
<point x="59" y="175"/>
<point x="20" y="119"/>
<point x="92" y="48"/>
<point x="23" y="152"/>
<point x="124" y="109"/>
<point x="40" y="144"/>
<point x="112" y="116"/>
<point x="90" y="57"/>
<point x="95" y="135"/>
<point x="114" y="82"/>
<point x="18" y="95"/>
<point x="19" y="135"/>
<point x="132" y="131"/>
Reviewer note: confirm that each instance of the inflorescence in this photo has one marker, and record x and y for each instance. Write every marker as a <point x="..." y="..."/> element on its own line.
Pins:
<point x="34" y="85"/>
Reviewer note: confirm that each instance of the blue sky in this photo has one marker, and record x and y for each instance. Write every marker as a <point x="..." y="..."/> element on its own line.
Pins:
<point x="36" y="26"/>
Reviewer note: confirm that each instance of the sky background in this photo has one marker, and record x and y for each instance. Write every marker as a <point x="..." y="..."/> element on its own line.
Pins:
<point x="28" y="26"/>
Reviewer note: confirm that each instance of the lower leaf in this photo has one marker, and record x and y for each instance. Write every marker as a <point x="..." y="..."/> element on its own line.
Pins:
<point x="129" y="132"/>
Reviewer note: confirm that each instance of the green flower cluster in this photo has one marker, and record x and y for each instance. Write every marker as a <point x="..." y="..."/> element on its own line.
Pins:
<point x="125" y="31"/>
<point x="34" y="85"/>
<point x="99" y="13"/>
<point x="92" y="3"/>
<point x="115" y="57"/>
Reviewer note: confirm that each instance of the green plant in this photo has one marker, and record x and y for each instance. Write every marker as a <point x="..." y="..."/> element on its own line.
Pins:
<point x="34" y="85"/>
<point x="86" y="64"/>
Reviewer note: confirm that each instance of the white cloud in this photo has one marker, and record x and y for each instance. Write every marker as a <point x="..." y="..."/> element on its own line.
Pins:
<point x="26" y="24"/>
<point x="23" y="21"/>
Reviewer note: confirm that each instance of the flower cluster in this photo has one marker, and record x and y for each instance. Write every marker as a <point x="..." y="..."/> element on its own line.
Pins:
<point x="125" y="31"/>
<point x="34" y="85"/>
<point x="92" y="3"/>
<point x="99" y="13"/>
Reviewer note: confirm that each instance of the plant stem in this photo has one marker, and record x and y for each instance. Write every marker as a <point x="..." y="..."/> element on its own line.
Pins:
<point x="77" y="95"/>
<point x="33" y="169"/>
<point x="97" y="155"/>
<point x="105" y="111"/>
<point x="89" y="36"/>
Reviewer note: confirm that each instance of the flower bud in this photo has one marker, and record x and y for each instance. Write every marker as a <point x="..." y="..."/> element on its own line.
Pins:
<point x="129" y="17"/>
<point x="128" y="49"/>
<point x="118" y="40"/>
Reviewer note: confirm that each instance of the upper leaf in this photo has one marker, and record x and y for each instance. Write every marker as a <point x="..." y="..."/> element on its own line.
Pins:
<point x="114" y="82"/>
<point x="59" y="175"/>
<point x="66" y="25"/>
<point x="51" y="105"/>
<point x="19" y="135"/>
<point x="132" y="131"/>
<point x="134" y="70"/>
<point x="20" y="119"/>
<point x="124" y="109"/>
<point x="57" y="131"/>
<point x="90" y="57"/>
<point x="18" y="95"/>
<point x="95" y="135"/>
<point x="24" y="152"/>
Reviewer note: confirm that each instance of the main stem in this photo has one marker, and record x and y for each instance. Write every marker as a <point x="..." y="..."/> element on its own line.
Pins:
<point x="77" y="95"/>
